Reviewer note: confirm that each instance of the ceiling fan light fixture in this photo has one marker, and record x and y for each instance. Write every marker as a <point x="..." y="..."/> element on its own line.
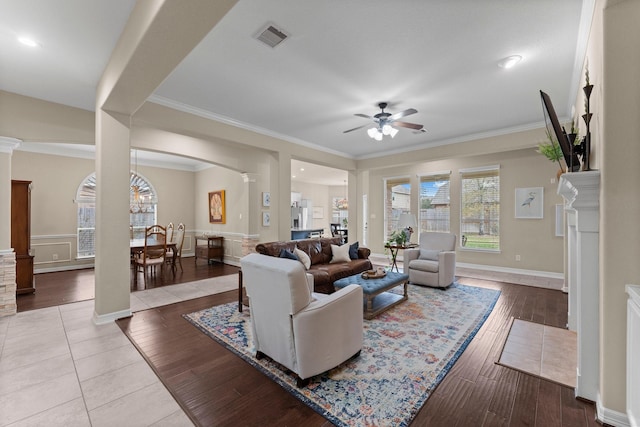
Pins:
<point x="393" y="132"/>
<point x="372" y="132"/>
<point x="386" y="129"/>
<point x="378" y="136"/>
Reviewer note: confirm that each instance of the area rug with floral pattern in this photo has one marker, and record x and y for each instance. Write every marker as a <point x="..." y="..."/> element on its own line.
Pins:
<point x="407" y="351"/>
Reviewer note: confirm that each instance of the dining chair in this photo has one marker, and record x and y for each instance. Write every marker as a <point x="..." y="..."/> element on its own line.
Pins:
<point x="179" y="240"/>
<point x="169" y="232"/>
<point x="154" y="252"/>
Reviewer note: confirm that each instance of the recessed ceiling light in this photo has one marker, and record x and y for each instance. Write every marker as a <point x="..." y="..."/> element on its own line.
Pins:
<point x="509" y="61"/>
<point x="28" y="41"/>
<point x="301" y="169"/>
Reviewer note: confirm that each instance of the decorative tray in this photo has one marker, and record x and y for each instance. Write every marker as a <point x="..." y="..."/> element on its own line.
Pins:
<point x="373" y="274"/>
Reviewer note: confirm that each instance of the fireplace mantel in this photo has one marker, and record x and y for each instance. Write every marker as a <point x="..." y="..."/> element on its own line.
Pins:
<point x="581" y="191"/>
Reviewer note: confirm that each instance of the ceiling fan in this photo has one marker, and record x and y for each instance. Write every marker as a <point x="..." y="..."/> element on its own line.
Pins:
<point x="384" y="120"/>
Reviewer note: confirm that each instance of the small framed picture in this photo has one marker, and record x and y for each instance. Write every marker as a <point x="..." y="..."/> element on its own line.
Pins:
<point x="530" y="203"/>
<point x="266" y="219"/>
<point x="216" y="207"/>
<point x="266" y="199"/>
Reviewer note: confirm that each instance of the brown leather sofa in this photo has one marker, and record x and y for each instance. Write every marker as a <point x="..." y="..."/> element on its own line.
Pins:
<point x="319" y="251"/>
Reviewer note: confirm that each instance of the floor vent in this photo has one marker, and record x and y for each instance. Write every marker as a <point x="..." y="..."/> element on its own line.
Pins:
<point x="271" y="36"/>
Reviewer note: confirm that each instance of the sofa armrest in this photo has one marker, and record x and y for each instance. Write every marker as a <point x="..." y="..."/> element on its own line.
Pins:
<point x="363" y="253"/>
<point x="328" y="331"/>
<point x="408" y="256"/>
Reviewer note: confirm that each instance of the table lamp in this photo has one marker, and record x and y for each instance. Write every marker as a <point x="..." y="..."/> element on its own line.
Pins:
<point x="406" y="222"/>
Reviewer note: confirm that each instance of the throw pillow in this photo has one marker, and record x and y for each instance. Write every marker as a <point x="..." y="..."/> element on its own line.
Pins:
<point x="303" y="258"/>
<point x="287" y="254"/>
<point x="430" y="254"/>
<point x="339" y="254"/>
<point x="353" y="251"/>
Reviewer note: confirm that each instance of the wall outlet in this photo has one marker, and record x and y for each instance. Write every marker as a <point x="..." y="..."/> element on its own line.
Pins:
<point x="517" y="257"/>
<point x="55" y="257"/>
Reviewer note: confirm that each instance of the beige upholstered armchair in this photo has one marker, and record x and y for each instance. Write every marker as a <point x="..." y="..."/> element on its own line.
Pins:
<point x="308" y="333"/>
<point x="433" y="263"/>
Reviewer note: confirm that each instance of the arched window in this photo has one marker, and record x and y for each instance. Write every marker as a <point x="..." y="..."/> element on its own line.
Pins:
<point x="143" y="207"/>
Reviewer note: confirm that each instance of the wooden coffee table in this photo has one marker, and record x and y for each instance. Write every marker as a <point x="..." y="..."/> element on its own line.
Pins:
<point x="376" y="296"/>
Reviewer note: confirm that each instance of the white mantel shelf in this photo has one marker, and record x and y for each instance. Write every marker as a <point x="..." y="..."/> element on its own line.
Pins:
<point x="581" y="191"/>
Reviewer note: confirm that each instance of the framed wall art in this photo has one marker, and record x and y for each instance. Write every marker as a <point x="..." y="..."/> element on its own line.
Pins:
<point x="216" y="207"/>
<point x="266" y="219"/>
<point x="530" y="203"/>
<point x="266" y="199"/>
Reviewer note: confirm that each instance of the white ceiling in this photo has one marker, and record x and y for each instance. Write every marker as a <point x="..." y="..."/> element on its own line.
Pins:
<point x="341" y="58"/>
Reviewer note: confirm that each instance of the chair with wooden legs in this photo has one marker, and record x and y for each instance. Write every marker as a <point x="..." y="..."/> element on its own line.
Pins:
<point x="179" y="240"/>
<point x="155" y="251"/>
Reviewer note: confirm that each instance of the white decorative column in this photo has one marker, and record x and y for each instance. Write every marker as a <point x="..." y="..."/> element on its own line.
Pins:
<point x="581" y="190"/>
<point x="633" y="354"/>
<point x="7" y="255"/>
<point x="572" y="283"/>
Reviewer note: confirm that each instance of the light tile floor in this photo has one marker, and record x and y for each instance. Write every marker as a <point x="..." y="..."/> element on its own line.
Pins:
<point x="541" y="350"/>
<point x="57" y="368"/>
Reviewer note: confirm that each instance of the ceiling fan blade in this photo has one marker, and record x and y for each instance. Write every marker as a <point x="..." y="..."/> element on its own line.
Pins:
<point x="359" y="127"/>
<point x="363" y="116"/>
<point x="408" y="125"/>
<point x="403" y="114"/>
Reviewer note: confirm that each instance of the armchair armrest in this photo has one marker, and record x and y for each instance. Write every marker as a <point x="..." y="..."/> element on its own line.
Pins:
<point x="447" y="267"/>
<point x="328" y="331"/>
<point x="408" y="256"/>
<point x="310" y="281"/>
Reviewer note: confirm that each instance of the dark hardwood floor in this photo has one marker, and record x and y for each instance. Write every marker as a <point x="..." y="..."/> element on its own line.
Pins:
<point x="217" y="388"/>
<point x="78" y="285"/>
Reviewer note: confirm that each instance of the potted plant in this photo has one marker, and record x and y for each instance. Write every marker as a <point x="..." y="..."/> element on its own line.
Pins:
<point x="398" y="237"/>
<point x="552" y="151"/>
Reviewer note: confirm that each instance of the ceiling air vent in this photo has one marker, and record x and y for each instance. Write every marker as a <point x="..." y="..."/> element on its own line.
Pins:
<point x="271" y="36"/>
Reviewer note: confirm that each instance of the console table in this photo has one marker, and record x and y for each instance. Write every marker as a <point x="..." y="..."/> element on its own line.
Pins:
<point x="214" y="248"/>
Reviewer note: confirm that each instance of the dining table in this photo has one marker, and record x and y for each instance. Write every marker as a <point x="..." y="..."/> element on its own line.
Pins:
<point x="137" y="246"/>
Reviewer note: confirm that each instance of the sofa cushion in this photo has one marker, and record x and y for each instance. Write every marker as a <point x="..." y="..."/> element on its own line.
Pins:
<point x="303" y="258"/>
<point x="313" y="248"/>
<point x="353" y="250"/>
<point x="286" y="254"/>
<point x="339" y="254"/>
<point x="336" y="271"/>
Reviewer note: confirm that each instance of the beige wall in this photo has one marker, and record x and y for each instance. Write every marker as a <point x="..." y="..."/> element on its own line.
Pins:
<point x="54" y="212"/>
<point x="533" y="239"/>
<point x="619" y="150"/>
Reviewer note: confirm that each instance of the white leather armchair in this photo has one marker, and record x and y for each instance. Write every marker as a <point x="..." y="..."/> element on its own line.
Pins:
<point x="433" y="263"/>
<point x="306" y="332"/>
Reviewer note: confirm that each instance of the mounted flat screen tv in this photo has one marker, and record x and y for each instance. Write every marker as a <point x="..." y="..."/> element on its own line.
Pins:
<point x="554" y="129"/>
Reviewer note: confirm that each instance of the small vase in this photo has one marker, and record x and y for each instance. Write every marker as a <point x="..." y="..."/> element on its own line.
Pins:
<point x="559" y="173"/>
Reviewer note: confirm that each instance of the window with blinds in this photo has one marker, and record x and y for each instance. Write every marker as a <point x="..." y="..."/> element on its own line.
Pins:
<point x="397" y="201"/>
<point x="435" y="203"/>
<point x="480" y="208"/>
